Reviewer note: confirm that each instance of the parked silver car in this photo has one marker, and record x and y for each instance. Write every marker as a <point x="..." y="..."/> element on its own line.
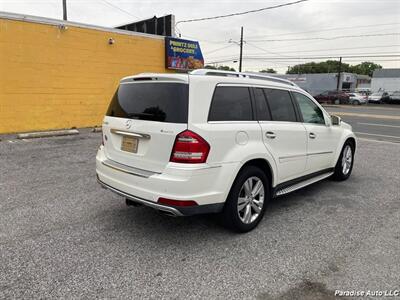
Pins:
<point x="378" y="97"/>
<point x="357" y="99"/>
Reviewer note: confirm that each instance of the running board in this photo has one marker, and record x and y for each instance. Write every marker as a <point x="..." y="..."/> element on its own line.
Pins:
<point x="299" y="185"/>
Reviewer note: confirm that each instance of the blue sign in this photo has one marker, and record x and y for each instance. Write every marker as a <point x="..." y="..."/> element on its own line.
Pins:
<point x="183" y="54"/>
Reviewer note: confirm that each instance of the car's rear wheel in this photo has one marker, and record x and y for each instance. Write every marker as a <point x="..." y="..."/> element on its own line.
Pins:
<point x="356" y="102"/>
<point x="247" y="199"/>
<point x="344" y="165"/>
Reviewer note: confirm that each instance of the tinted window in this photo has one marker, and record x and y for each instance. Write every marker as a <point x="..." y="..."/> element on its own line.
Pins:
<point x="261" y="105"/>
<point x="231" y="104"/>
<point x="280" y="105"/>
<point x="163" y="102"/>
<point x="310" y="111"/>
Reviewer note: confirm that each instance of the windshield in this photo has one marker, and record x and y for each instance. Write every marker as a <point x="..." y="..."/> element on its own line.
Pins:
<point x="162" y="102"/>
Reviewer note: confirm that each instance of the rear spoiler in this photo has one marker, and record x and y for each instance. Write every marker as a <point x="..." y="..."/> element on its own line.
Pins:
<point x="184" y="78"/>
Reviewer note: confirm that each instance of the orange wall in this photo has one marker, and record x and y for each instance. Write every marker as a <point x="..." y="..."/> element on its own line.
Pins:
<point x="52" y="78"/>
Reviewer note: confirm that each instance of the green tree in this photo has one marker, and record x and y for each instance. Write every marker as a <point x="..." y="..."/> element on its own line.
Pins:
<point x="269" y="70"/>
<point x="329" y="66"/>
<point x="365" y="68"/>
<point x="223" y="68"/>
<point x="332" y="66"/>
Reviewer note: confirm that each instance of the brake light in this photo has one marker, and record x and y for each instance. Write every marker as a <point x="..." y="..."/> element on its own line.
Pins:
<point x="177" y="202"/>
<point x="189" y="147"/>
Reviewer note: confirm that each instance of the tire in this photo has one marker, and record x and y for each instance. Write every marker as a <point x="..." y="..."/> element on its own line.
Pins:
<point x="356" y="102"/>
<point x="235" y="214"/>
<point x="341" y="172"/>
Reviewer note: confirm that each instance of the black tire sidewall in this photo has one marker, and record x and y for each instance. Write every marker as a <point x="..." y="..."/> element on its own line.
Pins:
<point x="338" y="174"/>
<point x="230" y="213"/>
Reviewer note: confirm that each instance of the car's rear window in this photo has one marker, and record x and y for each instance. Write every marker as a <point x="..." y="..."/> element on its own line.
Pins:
<point x="162" y="102"/>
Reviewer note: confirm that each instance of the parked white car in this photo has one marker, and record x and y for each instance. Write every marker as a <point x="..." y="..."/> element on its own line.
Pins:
<point x="378" y="97"/>
<point x="218" y="142"/>
<point x="357" y="99"/>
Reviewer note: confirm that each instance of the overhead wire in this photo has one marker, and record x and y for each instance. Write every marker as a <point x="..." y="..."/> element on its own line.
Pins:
<point x="326" y="29"/>
<point x="241" y="13"/>
<point x="120" y="9"/>
<point x="325" y="38"/>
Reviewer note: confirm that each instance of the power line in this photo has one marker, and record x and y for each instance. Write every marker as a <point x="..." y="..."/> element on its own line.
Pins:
<point x="328" y="38"/>
<point x="309" y="57"/>
<point x="324" y="30"/>
<point x="308" y="51"/>
<point x="120" y="9"/>
<point x="336" y="55"/>
<point x="335" y="49"/>
<point x="295" y="57"/>
<point x="240" y="13"/>
<point x="218" y="49"/>
<point x="267" y="51"/>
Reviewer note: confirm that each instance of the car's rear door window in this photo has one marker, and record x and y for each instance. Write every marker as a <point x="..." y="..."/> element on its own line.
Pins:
<point x="280" y="105"/>
<point x="231" y="103"/>
<point x="162" y="102"/>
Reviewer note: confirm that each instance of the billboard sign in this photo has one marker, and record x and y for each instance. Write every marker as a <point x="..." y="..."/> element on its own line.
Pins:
<point x="183" y="54"/>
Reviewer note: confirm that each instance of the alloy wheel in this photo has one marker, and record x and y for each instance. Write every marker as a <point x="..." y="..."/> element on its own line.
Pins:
<point x="347" y="159"/>
<point x="251" y="200"/>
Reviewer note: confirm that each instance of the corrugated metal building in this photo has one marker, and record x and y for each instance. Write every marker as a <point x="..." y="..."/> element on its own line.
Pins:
<point x="318" y="83"/>
<point x="387" y="80"/>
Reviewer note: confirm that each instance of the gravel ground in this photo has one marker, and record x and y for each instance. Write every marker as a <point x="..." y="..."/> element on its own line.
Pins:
<point x="61" y="235"/>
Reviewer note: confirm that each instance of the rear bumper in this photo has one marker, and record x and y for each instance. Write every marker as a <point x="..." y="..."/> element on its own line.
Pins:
<point x="171" y="210"/>
<point x="208" y="186"/>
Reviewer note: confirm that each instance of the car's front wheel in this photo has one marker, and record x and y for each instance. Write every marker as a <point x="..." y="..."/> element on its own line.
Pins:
<point x="344" y="165"/>
<point x="247" y="199"/>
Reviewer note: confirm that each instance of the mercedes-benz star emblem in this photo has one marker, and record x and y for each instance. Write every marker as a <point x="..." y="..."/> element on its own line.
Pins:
<point x="128" y="124"/>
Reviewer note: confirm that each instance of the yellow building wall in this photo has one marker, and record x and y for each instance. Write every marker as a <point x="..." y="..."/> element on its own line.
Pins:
<point x="52" y="78"/>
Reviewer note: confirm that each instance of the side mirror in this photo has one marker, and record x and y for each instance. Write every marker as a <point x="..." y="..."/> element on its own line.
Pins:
<point x="336" y="120"/>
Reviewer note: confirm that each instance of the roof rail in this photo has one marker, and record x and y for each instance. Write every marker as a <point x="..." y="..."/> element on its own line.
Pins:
<point x="258" y="76"/>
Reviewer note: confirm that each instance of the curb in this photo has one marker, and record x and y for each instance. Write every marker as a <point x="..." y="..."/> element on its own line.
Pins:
<point x="32" y="135"/>
<point x="97" y="129"/>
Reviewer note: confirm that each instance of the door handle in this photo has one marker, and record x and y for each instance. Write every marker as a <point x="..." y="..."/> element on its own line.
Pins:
<point x="270" y="135"/>
<point x="312" y="135"/>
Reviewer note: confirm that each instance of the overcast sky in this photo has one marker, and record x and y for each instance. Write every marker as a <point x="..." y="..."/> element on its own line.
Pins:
<point x="311" y="19"/>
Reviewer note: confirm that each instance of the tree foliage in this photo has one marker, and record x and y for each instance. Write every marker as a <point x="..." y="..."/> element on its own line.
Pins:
<point x="269" y="70"/>
<point x="222" y="68"/>
<point x="365" y="68"/>
<point x="332" y="66"/>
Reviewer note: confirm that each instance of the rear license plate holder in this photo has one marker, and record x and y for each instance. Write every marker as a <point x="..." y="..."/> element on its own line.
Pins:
<point x="129" y="144"/>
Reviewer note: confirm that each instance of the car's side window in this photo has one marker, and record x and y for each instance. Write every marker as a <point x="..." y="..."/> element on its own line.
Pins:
<point x="231" y="103"/>
<point x="280" y="105"/>
<point x="262" y="109"/>
<point x="309" y="110"/>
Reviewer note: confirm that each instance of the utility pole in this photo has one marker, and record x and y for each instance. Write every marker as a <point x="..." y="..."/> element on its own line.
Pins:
<point x="338" y="75"/>
<point x="241" y="50"/>
<point x="64" y="2"/>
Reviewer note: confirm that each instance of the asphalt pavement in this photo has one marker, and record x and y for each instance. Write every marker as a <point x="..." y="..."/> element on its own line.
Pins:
<point x="63" y="236"/>
<point x="375" y="122"/>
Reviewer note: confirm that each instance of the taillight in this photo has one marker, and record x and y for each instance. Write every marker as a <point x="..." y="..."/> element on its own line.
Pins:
<point x="189" y="147"/>
<point x="177" y="202"/>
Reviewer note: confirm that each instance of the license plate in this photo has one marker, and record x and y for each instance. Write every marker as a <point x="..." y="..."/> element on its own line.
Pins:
<point x="129" y="144"/>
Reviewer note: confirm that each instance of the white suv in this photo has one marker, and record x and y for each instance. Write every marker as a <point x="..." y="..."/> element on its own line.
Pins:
<point x="218" y="142"/>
